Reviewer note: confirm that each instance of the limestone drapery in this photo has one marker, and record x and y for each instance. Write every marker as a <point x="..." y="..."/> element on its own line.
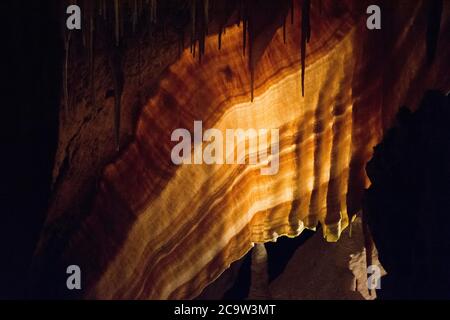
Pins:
<point x="161" y="231"/>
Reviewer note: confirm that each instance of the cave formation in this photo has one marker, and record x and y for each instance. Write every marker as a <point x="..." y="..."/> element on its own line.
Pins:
<point x="144" y="228"/>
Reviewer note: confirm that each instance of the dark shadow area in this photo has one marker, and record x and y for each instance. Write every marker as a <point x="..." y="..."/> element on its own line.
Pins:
<point x="279" y="253"/>
<point x="241" y="287"/>
<point x="408" y="204"/>
<point x="32" y="85"/>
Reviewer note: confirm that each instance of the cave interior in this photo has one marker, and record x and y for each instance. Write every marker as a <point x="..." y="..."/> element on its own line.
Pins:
<point x="364" y="149"/>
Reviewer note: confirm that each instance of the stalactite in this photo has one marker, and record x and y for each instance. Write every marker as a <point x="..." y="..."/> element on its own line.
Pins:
<point x="206" y="14"/>
<point x="201" y="48"/>
<point x="139" y="9"/>
<point x="115" y="62"/>
<point x="84" y="27"/>
<point x="117" y="107"/>
<point x="199" y="13"/>
<point x="164" y="30"/>
<point x="182" y="39"/>
<point x="153" y="8"/>
<point x="306" y="35"/>
<point x="200" y="52"/>
<point x="105" y="10"/>
<point x="292" y="11"/>
<point x="91" y="49"/>
<point x="135" y="15"/>
<point x="180" y="43"/>
<point x="433" y="28"/>
<point x="194" y="48"/>
<point x="140" y="62"/>
<point x="122" y="15"/>
<point x="202" y="29"/>
<point x="239" y="10"/>
<point x="193" y="22"/>
<point x="100" y="8"/>
<point x="117" y="23"/>
<point x="66" y="71"/>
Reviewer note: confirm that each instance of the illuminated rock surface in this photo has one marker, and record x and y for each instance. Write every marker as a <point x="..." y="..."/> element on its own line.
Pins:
<point x="155" y="230"/>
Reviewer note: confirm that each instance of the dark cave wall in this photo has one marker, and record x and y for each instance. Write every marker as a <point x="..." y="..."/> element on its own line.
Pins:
<point x="408" y="204"/>
<point x="32" y="84"/>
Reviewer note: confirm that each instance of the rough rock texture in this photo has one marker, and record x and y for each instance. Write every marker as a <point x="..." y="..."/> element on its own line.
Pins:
<point x="155" y="230"/>
<point x="315" y="270"/>
<point x="259" y="288"/>
<point x="321" y="270"/>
